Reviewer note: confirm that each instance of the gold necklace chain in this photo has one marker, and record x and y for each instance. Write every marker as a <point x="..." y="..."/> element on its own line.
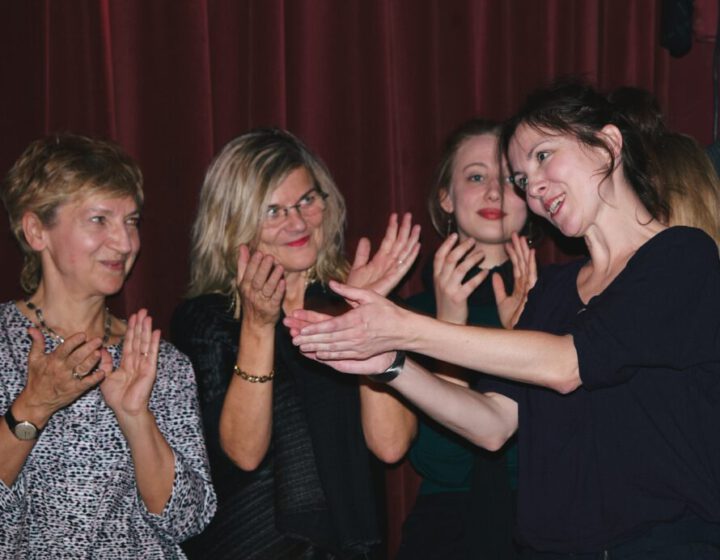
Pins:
<point x="49" y="330"/>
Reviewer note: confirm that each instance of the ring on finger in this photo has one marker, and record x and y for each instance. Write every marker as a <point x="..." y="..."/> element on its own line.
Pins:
<point x="77" y="374"/>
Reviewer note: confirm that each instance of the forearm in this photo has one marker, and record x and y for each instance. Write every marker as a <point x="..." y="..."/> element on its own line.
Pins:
<point x="529" y="356"/>
<point x="487" y="420"/>
<point x="153" y="459"/>
<point x="13" y="451"/>
<point x="246" y="417"/>
<point x="389" y="426"/>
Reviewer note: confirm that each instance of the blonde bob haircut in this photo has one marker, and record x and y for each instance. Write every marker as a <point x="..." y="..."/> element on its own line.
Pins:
<point x="236" y="191"/>
<point x="60" y="169"/>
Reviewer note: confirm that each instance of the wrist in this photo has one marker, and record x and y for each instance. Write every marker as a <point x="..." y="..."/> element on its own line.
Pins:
<point x="256" y="330"/>
<point x="24" y="409"/>
<point x="134" y="421"/>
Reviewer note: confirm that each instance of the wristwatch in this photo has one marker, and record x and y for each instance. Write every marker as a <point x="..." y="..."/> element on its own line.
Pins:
<point x="393" y="371"/>
<point x="23" y="430"/>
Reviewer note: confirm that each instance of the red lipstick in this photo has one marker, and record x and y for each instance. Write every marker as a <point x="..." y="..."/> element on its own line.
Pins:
<point x="491" y="213"/>
<point x="299" y="242"/>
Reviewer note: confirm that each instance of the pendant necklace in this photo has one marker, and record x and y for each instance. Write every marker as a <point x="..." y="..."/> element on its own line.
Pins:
<point x="49" y="330"/>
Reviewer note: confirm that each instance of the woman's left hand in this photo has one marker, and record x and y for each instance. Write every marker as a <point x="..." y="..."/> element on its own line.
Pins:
<point x="397" y="253"/>
<point x="127" y="389"/>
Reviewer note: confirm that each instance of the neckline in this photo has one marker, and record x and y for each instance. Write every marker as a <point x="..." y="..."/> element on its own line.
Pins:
<point x="638" y="252"/>
<point x="46" y="336"/>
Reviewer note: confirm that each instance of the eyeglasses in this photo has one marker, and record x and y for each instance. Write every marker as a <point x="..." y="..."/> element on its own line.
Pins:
<point x="310" y="204"/>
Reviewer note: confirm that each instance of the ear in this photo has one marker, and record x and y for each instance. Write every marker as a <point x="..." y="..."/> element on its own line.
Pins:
<point x="34" y="231"/>
<point x="614" y="139"/>
<point x="446" y="202"/>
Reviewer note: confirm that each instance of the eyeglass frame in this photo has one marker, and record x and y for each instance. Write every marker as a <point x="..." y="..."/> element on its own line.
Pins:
<point x="297" y="206"/>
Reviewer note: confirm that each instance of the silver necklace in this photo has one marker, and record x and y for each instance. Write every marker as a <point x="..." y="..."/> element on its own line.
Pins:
<point x="49" y="330"/>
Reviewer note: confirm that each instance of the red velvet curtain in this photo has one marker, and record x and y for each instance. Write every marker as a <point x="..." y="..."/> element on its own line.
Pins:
<point x="372" y="85"/>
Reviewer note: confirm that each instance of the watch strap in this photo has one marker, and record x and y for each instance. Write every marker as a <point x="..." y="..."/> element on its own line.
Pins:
<point x="393" y="371"/>
<point x="13" y="422"/>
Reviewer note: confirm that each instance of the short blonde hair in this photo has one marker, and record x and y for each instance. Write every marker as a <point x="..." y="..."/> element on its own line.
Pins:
<point x="237" y="187"/>
<point x="58" y="169"/>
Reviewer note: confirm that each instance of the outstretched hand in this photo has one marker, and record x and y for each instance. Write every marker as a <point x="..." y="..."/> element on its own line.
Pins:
<point x="511" y="306"/>
<point x="302" y="318"/>
<point x="372" y="327"/>
<point x="127" y="389"/>
<point x="397" y="253"/>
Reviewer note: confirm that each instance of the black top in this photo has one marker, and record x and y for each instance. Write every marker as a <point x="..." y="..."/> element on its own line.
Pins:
<point x="449" y="463"/>
<point x="637" y="443"/>
<point x="313" y="495"/>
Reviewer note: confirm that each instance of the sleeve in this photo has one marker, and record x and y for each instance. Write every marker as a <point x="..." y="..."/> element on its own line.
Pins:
<point x="204" y="332"/>
<point x="662" y="311"/>
<point x="13" y="504"/>
<point x="174" y="402"/>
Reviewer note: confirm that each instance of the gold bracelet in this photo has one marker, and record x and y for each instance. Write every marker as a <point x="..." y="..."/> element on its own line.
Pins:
<point x="253" y="378"/>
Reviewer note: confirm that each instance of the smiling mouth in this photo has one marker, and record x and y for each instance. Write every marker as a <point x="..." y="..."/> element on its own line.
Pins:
<point x="299" y="242"/>
<point x="491" y="213"/>
<point x="117" y="266"/>
<point x="554" y="206"/>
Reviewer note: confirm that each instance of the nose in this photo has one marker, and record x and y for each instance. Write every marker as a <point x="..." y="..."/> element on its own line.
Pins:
<point x="493" y="191"/>
<point x="536" y="186"/>
<point x="122" y="238"/>
<point x="295" y="220"/>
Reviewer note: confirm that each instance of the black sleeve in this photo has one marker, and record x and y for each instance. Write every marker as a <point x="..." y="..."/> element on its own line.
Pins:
<point x="663" y="310"/>
<point x="204" y="329"/>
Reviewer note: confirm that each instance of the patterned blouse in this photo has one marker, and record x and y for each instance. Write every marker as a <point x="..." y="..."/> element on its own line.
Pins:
<point x="76" y="495"/>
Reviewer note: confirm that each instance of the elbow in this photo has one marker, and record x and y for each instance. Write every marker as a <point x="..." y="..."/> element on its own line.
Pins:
<point x="243" y="458"/>
<point x="566" y="383"/>
<point x="390" y="452"/>
<point x="495" y="440"/>
<point x="392" y="449"/>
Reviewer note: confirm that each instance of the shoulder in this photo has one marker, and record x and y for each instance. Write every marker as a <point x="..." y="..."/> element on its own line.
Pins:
<point x="204" y="307"/>
<point x="201" y="317"/>
<point x="678" y="245"/>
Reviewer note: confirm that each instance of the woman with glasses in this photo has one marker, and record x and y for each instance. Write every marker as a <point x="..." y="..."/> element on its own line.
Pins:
<point x="288" y="438"/>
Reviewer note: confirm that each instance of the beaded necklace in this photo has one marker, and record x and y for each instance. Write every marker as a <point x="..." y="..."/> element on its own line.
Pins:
<point x="49" y="330"/>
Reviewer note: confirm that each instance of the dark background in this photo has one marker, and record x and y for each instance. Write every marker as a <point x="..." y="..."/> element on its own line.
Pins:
<point x="373" y="86"/>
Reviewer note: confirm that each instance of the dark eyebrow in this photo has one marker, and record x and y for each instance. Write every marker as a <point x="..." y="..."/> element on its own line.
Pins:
<point x="303" y="195"/>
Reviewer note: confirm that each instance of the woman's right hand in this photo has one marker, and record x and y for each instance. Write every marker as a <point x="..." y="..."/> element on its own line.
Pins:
<point x="262" y="286"/>
<point x="451" y="264"/>
<point x="57" y="379"/>
<point x="511" y="306"/>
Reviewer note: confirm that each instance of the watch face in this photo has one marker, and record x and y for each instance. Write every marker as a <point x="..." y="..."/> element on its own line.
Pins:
<point x="25" y="431"/>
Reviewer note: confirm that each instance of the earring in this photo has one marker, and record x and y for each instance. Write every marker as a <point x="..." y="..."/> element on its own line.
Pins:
<point x="449" y="225"/>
